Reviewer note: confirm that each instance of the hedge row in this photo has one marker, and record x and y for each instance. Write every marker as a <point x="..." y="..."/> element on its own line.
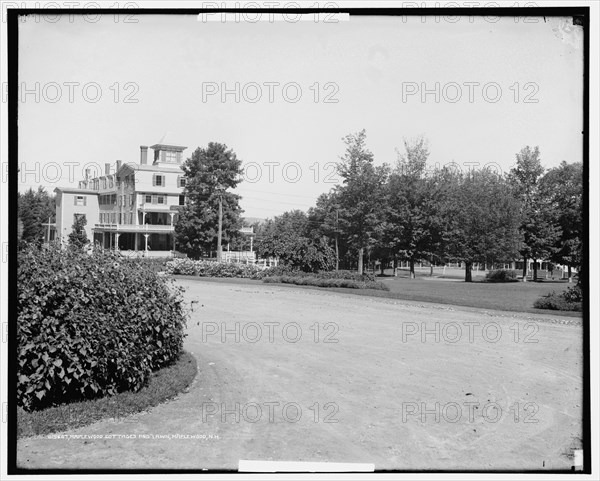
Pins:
<point x="91" y="325"/>
<point x="191" y="267"/>
<point x="342" y="274"/>
<point x="307" y="280"/>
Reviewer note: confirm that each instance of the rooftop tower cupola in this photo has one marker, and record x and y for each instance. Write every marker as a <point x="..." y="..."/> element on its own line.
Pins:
<point x="167" y="153"/>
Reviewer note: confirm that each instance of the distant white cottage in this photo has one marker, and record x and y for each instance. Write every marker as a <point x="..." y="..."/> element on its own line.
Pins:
<point x="132" y="206"/>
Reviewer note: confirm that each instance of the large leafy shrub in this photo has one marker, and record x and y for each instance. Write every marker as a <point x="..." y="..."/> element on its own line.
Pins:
<point x="501" y="275"/>
<point x="91" y="325"/>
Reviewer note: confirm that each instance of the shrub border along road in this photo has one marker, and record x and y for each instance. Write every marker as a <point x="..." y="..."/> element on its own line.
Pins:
<point x="164" y="384"/>
<point x="432" y="296"/>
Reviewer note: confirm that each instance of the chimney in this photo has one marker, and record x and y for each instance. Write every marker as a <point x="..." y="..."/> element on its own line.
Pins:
<point x="118" y="165"/>
<point x="87" y="174"/>
<point x="143" y="154"/>
<point x="106" y="168"/>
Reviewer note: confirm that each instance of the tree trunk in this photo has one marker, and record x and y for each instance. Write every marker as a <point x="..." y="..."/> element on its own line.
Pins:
<point x="468" y="267"/>
<point x="535" y="269"/>
<point x="360" y="260"/>
<point x="430" y="267"/>
<point x="524" y="269"/>
<point x="383" y="264"/>
<point x="412" y="268"/>
<point x="395" y="266"/>
<point x="569" y="273"/>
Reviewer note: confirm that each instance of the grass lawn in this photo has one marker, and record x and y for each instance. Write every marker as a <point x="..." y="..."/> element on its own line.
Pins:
<point x="164" y="384"/>
<point x="510" y="296"/>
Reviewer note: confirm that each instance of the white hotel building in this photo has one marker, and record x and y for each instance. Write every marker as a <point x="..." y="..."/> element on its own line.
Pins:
<point x="132" y="207"/>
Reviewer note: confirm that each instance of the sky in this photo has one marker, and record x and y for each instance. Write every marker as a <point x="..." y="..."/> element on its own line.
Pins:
<point x="104" y="88"/>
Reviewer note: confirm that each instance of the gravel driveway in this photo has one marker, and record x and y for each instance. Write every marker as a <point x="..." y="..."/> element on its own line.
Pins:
<point x="290" y="374"/>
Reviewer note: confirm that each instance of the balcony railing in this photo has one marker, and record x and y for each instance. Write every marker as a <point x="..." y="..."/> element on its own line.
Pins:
<point x="135" y="228"/>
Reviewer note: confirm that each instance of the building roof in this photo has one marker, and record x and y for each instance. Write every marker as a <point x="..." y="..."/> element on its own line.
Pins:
<point x="75" y="190"/>
<point x="152" y="168"/>
<point x="167" y="141"/>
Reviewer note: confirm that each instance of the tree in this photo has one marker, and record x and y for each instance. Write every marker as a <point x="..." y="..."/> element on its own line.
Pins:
<point x="78" y="238"/>
<point x="324" y="221"/>
<point x="35" y="207"/>
<point x="209" y="172"/>
<point x="562" y="186"/>
<point x="415" y="224"/>
<point x="537" y="231"/>
<point x="361" y="196"/>
<point x="290" y="238"/>
<point x="482" y="219"/>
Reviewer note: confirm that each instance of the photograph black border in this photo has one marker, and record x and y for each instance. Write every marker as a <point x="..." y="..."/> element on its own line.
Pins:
<point x="13" y="155"/>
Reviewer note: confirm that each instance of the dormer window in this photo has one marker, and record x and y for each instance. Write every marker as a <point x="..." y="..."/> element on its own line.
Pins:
<point x="171" y="157"/>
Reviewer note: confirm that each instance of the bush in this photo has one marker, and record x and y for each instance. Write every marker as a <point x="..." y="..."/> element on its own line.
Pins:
<point x="569" y="300"/>
<point x="281" y="270"/>
<point x="91" y="325"/>
<point x="501" y="275"/>
<point x="313" y="280"/>
<point x="288" y="271"/>
<point x="190" y="267"/>
<point x="157" y="264"/>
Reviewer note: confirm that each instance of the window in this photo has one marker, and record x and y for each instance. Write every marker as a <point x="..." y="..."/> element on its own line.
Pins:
<point x="148" y="199"/>
<point x="80" y="200"/>
<point x="113" y="218"/>
<point x="158" y="180"/>
<point x="104" y="183"/>
<point x="160" y="199"/>
<point x="156" y="154"/>
<point x="181" y="181"/>
<point x="110" y="182"/>
<point x="171" y="157"/>
<point x="182" y="200"/>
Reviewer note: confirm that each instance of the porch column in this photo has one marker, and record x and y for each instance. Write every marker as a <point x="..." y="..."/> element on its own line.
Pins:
<point x="135" y="238"/>
<point x="251" y="239"/>
<point x="146" y="246"/>
<point x="172" y="216"/>
<point x="117" y="241"/>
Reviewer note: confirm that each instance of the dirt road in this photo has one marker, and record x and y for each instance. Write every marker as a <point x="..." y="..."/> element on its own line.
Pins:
<point x="290" y="374"/>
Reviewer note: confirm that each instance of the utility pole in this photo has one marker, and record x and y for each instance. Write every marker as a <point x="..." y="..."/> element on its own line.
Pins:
<point x="337" y="252"/>
<point x="219" y="256"/>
